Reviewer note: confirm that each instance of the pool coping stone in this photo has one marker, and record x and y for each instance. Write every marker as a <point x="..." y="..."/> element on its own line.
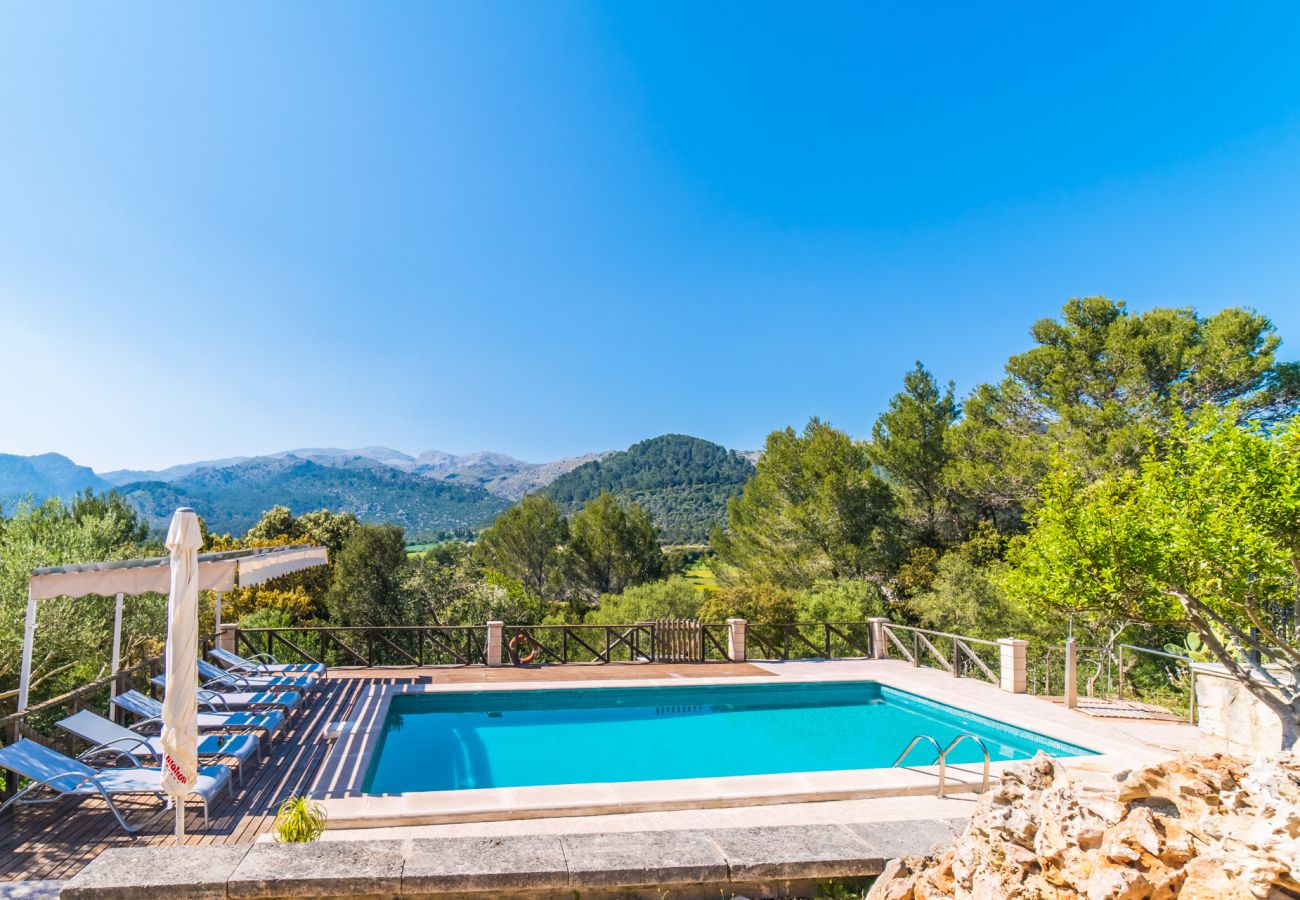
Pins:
<point x="358" y="869"/>
<point x="521" y="862"/>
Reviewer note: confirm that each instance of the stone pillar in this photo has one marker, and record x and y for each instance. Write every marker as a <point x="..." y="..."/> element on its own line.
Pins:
<point x="879" y="643"/>
<point x="1071" y="675"/>
<point x="736" y="640"/>
<point x="226" y="637"/>
<point x="1015" y="659"/>
<point x="496" y="631"/>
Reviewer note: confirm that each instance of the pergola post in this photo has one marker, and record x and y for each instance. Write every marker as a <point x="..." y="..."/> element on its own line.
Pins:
<point x="29" y="637"/>
<point x="117" y="643"/>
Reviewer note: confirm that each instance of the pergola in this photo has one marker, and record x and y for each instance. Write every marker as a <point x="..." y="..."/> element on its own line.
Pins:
<point x="218" y="572"/>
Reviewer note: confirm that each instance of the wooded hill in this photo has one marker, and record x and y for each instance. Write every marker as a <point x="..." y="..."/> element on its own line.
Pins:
<point x="683" y="482"/>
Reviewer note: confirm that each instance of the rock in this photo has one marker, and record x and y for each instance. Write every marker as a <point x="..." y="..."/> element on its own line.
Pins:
<point x="1193" y="827"/>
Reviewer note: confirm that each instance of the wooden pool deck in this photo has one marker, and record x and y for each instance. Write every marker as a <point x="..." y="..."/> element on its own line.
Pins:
<point x="55" y="841"/>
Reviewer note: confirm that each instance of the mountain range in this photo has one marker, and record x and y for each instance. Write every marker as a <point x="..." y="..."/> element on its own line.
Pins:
<point x="683" y="481"/>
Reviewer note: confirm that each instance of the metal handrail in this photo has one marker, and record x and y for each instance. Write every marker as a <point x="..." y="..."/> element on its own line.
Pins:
<point x="943" y="634"/>
<point x="966" y="735"/>
<point x="942" y="756"/>
<point x="920" y="737"/>
<point x="1191" y="673"/>
<point x="937" y="749"/>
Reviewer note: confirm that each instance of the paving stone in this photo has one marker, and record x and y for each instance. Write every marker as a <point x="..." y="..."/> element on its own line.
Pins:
<point x="796" y="851"/>
<point x="635" y="858"/>
<point x="473" y="864"/>
<point x="176" y="873"/>
<point x="30" y="890"/>
<point x="359" y="869"/>
<point x="908" y="838"/>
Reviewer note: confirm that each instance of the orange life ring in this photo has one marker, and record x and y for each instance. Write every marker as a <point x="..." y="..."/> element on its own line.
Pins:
<point x="526" y="658"/>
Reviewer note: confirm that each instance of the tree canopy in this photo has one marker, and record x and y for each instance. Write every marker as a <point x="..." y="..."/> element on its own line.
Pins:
<point x="813" y="510"/>
<point x="525" y="542"/>
<point x="1101" y="383"/>
<point x="1205" y="533"/>
<point x="611" y="546"/>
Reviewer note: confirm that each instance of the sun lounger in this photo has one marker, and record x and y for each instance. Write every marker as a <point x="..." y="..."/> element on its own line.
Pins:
<point x="221" y="696"/>
<point x="242" y="682"/>
<point x="263" y="664"/>
<point x="109" y="738"/>
<point x="150" y="710"/>
<point x="67" y="777"/>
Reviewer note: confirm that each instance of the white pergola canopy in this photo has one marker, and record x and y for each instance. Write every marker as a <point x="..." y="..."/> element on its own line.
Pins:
<point x="218" y="572"/>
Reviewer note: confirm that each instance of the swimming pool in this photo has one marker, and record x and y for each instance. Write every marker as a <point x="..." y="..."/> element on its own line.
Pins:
<point x="515" y="738"/>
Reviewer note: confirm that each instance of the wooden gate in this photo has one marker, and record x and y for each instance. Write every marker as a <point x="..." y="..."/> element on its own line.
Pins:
<point x="679" y="640"/>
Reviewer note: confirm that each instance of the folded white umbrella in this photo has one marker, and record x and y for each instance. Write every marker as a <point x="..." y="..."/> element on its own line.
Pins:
<point x="180" y="712"/>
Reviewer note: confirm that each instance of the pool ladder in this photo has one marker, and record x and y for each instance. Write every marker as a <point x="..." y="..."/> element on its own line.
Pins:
<point x="942" y="758"/>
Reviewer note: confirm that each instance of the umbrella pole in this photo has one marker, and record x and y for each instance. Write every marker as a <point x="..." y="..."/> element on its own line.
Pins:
<point x="180" y="822"/>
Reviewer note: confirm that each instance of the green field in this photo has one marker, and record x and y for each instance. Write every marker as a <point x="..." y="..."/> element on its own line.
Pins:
<point x="701" y="576"/>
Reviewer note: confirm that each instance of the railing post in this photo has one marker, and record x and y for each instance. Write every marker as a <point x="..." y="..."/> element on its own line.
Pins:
<point x="956" y="657"/>
<point x="879" y="642"/>
<point x="1014" y="659"/>
<point x="495" y="633"/>
<point x="1071" y="675"/>
<point x="736" y="640"/>
<point x="226" y="637"/>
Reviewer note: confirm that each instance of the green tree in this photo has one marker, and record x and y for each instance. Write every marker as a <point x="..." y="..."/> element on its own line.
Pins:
<point x="672" y="598"/>
<point x="448" y="586"/>
<point x="524" y="543"/>
<point x="115" y="522"/>
<point x="368" y="574"/>
<point x="758" y="602"/>
<point x="611" y="546"/>
<point x="1206" y="535"/>
<point x="74" y="636"/>
<point x="839" y="601"/>
<point x="279" y="526"/>
<point x="909" y="442"/>
<point x="814" y="510"/>
<point x="1101" y="384"/>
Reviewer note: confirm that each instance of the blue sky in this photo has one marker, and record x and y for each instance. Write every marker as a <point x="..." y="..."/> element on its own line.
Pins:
<point x="548" y="228"/>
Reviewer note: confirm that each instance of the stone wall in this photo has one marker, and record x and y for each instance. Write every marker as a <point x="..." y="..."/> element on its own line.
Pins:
<point x="1232" y="718"/>
<point x="761" y="862"/>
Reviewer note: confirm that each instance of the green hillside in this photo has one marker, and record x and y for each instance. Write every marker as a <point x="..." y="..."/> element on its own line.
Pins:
<point x="232" y="499"/>
<point x="683" y="481"/>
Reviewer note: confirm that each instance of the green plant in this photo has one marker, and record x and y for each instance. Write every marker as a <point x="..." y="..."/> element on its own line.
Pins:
<point x="1192" y="647"/>
<point x="299" y="820"/>
<point x="840" y="890"/>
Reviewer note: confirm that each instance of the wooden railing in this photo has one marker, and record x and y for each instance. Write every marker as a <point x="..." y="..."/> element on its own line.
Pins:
<point x="565" y="644"/>
<point x="369" y="646"/>
<point x="958" y="656"/>
<point x="808" y="640"/>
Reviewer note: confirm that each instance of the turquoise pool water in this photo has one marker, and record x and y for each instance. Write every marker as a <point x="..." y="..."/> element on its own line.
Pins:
<point x="487" y="739"/>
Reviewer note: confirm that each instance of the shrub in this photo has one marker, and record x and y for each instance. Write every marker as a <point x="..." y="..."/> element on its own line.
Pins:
<point x="299" y="821"/>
